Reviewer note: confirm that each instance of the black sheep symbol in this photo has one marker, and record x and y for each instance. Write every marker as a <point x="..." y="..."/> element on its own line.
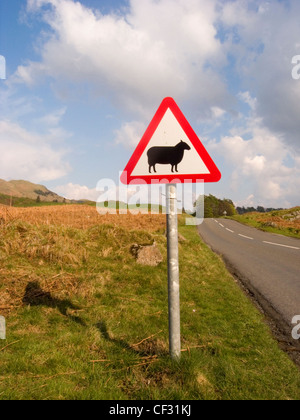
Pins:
<point x="167" y="155"/>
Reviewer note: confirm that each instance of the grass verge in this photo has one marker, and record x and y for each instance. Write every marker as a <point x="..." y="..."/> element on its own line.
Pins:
<point x="85" y="321"/>
<point x="282" y="222"/>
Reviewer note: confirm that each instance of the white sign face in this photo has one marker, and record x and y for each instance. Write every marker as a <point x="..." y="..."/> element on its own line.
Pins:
<point x="169" y="133"/>
<point x="170" y="152"/>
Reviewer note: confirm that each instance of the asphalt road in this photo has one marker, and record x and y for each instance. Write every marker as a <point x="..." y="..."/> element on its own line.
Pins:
<point x="269" y="263"/>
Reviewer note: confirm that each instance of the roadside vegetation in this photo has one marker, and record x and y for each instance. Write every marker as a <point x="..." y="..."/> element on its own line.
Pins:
<point x="215" y="207"/>
<point x="283" y="222"/>
<point x="85" y="321"/>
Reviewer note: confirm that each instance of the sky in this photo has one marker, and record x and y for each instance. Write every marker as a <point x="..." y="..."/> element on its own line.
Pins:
<point x="84" y="79"/>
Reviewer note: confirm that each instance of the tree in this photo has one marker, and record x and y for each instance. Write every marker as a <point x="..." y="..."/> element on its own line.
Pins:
<point x="214" y="207"/>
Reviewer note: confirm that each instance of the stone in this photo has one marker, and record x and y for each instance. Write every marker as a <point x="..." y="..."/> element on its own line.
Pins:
<point x="147" y="254"/>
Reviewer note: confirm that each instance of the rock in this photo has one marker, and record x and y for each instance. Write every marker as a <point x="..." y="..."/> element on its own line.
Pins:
<point x="292" y="217"/>
<point x="147" y="254"/>
<point x="270" y="224"/>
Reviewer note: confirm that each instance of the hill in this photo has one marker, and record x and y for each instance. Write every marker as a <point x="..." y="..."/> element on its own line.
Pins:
<point x="284" y="222"/>
<point x="26" y="189"/>
<point x="86" y="321"/>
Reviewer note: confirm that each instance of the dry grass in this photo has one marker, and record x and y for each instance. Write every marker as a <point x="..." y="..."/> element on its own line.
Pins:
<point x="285" y="222"/>
<point x="279" y="222"/>
<point x="62" y="237"/>
<point x="80" y="217"/>
<point x="15" y="280"/>
<point x="85" y="322"/>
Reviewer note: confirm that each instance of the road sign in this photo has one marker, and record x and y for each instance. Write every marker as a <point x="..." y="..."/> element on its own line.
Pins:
<point x="170" y="151"/>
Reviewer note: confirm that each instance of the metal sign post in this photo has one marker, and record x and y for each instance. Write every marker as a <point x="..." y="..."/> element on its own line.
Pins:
<point x="170" y="152"/>
<point x="173" y="272"/>
<point x="2" y="328"/>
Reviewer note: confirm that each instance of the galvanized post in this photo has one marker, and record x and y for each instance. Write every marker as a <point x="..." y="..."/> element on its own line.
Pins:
<point x="173" y="272"/>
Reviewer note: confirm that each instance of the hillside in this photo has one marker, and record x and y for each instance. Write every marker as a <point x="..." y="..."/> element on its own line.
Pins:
<point x="26" y="189"/>
<point x="86" y="321"/>
<point x="284" y="222"/>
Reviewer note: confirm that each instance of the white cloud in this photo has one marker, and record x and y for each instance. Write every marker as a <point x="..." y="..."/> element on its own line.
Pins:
<point x="130" y="134"/>
<point x="167" y="48"/>
<point x="30" y="156"/>
<point x="77" y="192"/>
<point x="264" y="36"/>
<point x="217" y="112"/>
<point x="259" y="166"/>
<point x="254" y="165"/>
<point x="106" y="190"/>
<point x="247" y="98"/>
<point x="201" y="52"/>
<point x="137" y="58"/>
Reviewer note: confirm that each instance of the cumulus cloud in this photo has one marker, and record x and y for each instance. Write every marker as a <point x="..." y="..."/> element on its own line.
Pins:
<point x="264" y="59"/>
<point x="148" y="52"/>
<point x="264" y="165"/>
<point x="209" y="54"/>
<point x="217" y="112"/>
<point x="77" y="192"/>
<point x="130" y="134"/>
<point x="106" y="189"/>
<point x="30" y="156"/>
<point x="136" y="58"/>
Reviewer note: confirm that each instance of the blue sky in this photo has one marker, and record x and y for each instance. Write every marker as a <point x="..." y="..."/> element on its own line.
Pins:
<point x="85" y="78"/>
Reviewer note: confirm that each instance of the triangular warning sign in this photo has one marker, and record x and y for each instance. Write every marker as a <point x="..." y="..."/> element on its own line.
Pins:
<point x="170" y="151"/>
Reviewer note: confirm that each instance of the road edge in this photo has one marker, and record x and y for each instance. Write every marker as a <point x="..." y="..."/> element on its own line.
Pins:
<point x="280" y="329"/>
<point x="261" y="229"/>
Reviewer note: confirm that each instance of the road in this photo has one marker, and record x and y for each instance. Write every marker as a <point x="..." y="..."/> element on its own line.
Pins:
<point x="269" y="264"/>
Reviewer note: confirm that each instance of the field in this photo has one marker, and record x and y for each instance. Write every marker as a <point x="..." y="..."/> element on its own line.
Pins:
<point x="79" y="217"/>
<point x="283" y="222"/>
<point x="86" y="321"/>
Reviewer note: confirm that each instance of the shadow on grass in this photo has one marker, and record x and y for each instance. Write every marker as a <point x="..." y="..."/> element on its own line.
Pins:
<point x="145" y="348"/>
<point x="36" y="296"/>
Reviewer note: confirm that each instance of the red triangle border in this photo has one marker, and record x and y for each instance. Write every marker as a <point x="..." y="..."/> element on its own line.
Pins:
<point x="169" y="103"/>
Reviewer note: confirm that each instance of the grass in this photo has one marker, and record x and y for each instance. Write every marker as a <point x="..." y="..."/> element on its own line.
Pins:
<point x="78" y="216"/>
<point x="85" y="321"/>
<point x="24" y="201"/>
<point x="280" y="221"/>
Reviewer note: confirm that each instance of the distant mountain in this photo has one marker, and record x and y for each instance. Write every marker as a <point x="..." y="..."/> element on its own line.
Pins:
<point x="25" y="189"/>
<point x="26" y="194"/>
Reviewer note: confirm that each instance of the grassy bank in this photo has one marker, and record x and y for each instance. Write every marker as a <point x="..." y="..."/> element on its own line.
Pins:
<point x="282" y="222"/>
<point x="85" y="321"/>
